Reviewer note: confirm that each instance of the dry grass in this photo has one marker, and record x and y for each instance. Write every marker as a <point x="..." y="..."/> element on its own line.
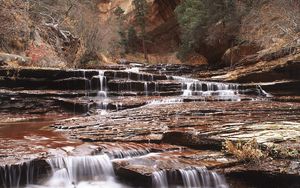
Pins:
<point x="247" y="152"/>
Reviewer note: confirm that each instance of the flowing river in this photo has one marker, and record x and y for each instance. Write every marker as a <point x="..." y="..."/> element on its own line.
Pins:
<point x="130" y="128"/>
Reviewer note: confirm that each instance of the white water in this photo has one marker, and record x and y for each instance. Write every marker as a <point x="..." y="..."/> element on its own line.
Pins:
<point x="11" y="176"/>
<point x="81" y="172"/>
<point x="159" y="179"/>
<point x="146" y="88"/>
<point x="128" y="153"/>
<point x="102" y="85"/>
<point x="191" y="177"/>
<point x="193" y="87"/>
<point x="166" y="101"/>
<point x="133" y="69"/>
<point x="263" y="92"/>
<point x="75" y="169"/>
<point x="87" y="83"/>
<point x="97" y="171"/>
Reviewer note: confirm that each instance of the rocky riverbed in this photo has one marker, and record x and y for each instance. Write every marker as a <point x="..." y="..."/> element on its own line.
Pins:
<point x="145" y="126"/>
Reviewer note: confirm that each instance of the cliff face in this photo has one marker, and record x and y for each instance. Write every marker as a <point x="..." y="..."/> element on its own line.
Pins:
<point x="163" y="29"/>
<point x="263" y="30"/>
<point x="162" y="26"/>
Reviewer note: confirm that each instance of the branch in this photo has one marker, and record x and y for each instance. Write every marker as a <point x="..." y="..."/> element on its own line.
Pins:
<point x="47" y="15"/>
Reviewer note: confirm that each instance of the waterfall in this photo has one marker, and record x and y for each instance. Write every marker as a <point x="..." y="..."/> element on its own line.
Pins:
<point x="87" y="83"/>
<point x="191" y="87"/>
<point x="263" y="92"/>
<point x="119" y="106"/>
<point x="127" y="153"/>
<point x="159" y="179"/>
<point x="146" y="88"/>
<point x="133" y="69"/>
<point x="190" y="177"/>
<point x="15" y="176"/>
<point x="102" y="84"/>
<point x="70" y="171"/>
<point x="10" y="176"/>
<point x="103" y="105"/>
<point x="201" y="177"/>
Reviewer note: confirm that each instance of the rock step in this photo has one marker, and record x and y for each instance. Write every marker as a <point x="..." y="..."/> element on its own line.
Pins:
<point x="25" y="173"/>
<point x="134" y="76"/>
<point x="56" y="74"/>
<point x="173" y="69"/>
<point x="166" y="158"/>
<point x="128" y="85"/>
<point x="278" y="88"/>
<point x="170" y="165"/>
<point x="66" y="79"/>
<point x="83" y="106"/>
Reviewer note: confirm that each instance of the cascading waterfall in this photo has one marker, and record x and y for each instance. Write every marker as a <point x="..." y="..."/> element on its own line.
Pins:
<point x="191" y="177"/>
<point x="201" y="177"/>
<point x="263" y="92"/>
<point x="71" y="171"/>
<point x="10" y="176"/>
<point x="191" y="87"/>
<point x="102" y="105"/>
<point x="87" y="83"/>
<point x="146" y="88"/>
<point x="121" y="154"/>
<point x="102" y="84"/>
<point x="160" y="179"/>
<point x="133" y="69"/>
<point x="102" y="93"/>
<point x="15" y="176"/>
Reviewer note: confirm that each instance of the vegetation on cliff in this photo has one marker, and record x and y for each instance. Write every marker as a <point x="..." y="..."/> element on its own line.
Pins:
<point x="52" y="33"/>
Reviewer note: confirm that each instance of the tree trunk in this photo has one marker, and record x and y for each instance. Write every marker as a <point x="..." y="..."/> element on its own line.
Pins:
<point x="145" y="50"/>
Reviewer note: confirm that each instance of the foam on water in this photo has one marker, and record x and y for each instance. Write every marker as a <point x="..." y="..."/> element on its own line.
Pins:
<point x="166" y="101"/>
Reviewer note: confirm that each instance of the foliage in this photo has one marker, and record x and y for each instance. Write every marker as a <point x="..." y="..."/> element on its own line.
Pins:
<point x="191" y="16"/>
<point x="132" y="39"/>
<point x="140" y="13"/>
<point x="284" y="152"/>
<point x="195" y="18"/>
<point x="119" y="13"/>
<point x="123" y="43"/>
<point x="247" y="152"/>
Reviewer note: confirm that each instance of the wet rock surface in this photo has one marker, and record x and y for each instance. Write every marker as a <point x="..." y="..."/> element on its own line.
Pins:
<point x="280" y="76"/>
<point x="150" y="129"/>
<point x="201" y="125"/>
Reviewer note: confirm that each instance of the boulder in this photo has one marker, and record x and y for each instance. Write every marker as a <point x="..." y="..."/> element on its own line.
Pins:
<point x="269" y="56"/>
<point x="235" y="54"/>
<point x="6" y="58"/>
